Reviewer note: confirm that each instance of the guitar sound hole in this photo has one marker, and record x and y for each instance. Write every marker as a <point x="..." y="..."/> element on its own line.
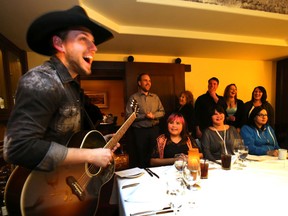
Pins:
<point x="93" y="170"/>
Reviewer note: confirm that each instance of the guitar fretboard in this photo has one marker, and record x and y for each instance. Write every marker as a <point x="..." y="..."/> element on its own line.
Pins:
<point x="116" y="137"/>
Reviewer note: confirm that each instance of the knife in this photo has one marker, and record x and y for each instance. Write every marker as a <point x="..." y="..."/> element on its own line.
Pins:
<point x="147" y="213"/>
<point x="148" y="171"/>
<point x="130" y="185"/>
<point x="151" y="173"/>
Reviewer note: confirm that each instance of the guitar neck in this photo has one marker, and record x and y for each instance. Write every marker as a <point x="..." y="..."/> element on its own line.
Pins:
<point x="121" y="131"/>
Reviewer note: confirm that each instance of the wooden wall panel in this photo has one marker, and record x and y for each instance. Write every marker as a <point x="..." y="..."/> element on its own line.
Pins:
<point x="281" y="108"/>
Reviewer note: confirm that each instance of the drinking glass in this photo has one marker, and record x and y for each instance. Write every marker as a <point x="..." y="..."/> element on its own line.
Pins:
<point x="180" y="162"/>
<point x="243" y="153"/>
<point x="236" y="144"/>
<point x="191" y="176"/>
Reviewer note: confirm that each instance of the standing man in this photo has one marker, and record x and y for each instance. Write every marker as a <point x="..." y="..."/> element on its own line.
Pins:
<point x="49" y="106"/>
<point x="204" y="103"/>
<point x="145" y="128"/>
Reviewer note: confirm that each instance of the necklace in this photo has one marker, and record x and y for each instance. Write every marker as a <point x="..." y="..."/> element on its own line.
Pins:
<point x="222" y="138"/>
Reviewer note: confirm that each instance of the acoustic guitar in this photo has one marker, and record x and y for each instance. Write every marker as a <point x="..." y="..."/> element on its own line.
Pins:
<point x="68" y="190"/>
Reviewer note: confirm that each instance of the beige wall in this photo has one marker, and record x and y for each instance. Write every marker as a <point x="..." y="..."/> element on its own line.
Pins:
<point x="245" y="74"/>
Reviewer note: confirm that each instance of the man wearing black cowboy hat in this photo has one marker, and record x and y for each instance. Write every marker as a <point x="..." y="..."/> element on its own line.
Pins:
<point x="48" y="104"/>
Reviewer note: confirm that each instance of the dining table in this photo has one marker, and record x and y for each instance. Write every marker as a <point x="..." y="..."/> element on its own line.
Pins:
<point x="259" y="186"/>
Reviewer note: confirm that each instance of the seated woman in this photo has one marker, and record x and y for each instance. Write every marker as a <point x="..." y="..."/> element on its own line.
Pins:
<point x="218" y="138"/>
<point x="258" y="135"/>
<point x="175" y="141"/>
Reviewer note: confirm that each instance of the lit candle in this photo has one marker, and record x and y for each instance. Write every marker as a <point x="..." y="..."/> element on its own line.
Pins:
<point x="193" y="159"/>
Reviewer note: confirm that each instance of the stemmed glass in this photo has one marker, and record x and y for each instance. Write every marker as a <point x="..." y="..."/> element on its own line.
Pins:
<point x="243" y="153"/>
<point x="180" y="163"/>
<point x="236" y="144"/>
<point x="191" y="175"/>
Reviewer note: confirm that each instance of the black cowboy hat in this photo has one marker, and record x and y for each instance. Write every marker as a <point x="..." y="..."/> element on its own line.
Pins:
<point x="42" y="29"/>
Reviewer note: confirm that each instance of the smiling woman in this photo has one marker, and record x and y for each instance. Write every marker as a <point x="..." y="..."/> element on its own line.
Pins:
<point x="258" y="135"/>
<point x="175" y="141"/>
<point x="219" y="137"/>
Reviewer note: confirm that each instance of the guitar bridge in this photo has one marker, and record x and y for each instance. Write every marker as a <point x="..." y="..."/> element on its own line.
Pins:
<point x="76" y="188"/>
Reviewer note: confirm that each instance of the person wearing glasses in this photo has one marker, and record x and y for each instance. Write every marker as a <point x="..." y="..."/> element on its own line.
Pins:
<point x="258" y="135"/>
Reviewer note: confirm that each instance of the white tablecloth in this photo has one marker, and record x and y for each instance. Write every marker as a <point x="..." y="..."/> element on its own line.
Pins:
<point x="261" y="189"/>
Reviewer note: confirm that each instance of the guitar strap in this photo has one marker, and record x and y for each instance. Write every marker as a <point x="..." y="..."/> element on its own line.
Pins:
<point x="92" y="126"/>
<point x="85" y="113"/>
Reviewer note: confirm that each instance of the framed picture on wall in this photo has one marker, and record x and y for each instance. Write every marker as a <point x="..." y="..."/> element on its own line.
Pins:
<point x="99" y="99"/>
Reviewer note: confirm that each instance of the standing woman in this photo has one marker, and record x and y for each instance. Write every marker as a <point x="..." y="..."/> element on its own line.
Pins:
<point x="258" y="135"/>
<point x="259" y="98"/>
<point x="233" y="106"/>
<point x="218" y="136"/>
<point x="186" y="108"/>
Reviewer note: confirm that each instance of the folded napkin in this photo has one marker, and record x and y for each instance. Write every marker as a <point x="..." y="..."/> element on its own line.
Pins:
<point x="147" y="191"/>
<point x="259" y="157"/>
<point x="130" y="173"/>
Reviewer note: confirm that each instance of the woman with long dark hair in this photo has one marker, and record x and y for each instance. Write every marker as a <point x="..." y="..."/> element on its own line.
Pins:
<point x="259" y="98"/>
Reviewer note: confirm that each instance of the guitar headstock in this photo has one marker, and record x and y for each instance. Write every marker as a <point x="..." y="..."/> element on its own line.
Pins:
<point x="134" y="106"/>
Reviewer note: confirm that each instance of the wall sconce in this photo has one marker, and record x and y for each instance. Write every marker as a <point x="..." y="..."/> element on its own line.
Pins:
<point x="130" y="59"/>
<point x="178" y="60"/>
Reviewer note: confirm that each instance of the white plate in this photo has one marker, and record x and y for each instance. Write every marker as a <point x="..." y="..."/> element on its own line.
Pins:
<point x="134" y="176"/>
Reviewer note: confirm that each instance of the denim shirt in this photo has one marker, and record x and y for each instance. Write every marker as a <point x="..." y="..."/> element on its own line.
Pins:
<point x="46" y="114"/>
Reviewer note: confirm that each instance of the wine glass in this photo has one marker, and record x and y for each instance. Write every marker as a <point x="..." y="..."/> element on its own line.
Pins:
<point x="191" y="175"/>
<point x="236" y="144"/>
<point x="179" y="163"/>
<point x="243" y="153"/>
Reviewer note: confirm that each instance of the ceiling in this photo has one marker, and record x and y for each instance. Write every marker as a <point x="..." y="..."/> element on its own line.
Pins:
<point x="174" y="28"/>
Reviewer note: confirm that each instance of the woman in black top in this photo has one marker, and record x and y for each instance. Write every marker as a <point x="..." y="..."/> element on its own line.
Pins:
<point x="186" y="108"/>
<point x="175" y="141"/>
<point x="259" y="98"/>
